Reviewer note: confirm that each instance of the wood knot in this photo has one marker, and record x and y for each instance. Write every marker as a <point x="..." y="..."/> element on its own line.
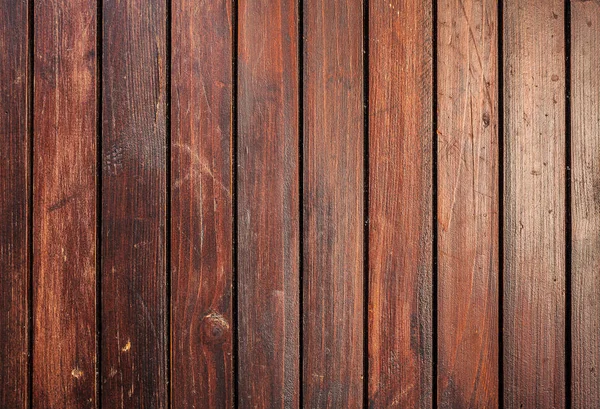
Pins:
<point x="214" y="329"/>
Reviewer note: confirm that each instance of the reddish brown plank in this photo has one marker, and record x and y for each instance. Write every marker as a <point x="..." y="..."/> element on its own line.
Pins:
<point x="134" y="309"/>
<point x="400" y="208"/>
<point x="467" y="204"/>
<point x="534" y="204"/>
<point x="201" y="246"/>
<point x="333" y="204"/>
<point x="14" y="205"/>
<point x="268" y="209"/>
<point x="585" y="134"/>
<point x="64" y="208"/>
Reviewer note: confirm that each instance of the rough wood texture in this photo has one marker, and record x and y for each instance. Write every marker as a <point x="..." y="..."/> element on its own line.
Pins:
<point x="201" y="247"/>
<point x="400" y="209"/>
<point x="585" y="128"/>
<point x="64" y="208"/>
<point x="467" y="204"/>
<point x="268" y="208"/>
<point x="534" y="204"/>
<point x="134" y="309"/>
<point x="333" y="204"/>
<point x="14" y="207"/>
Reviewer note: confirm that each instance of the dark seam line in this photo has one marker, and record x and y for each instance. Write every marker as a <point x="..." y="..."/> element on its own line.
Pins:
<point x="30" y="107"/>
<point x="301" y="200"/>
<point x="366" y="204"/>
<point x="500" y="137"/>
<point x="234" y="179"/>
<point x="168" y="300"/>
<point x="568" y="210"/>
<point x="434" y="206"/>
<point x="99" y="204"/>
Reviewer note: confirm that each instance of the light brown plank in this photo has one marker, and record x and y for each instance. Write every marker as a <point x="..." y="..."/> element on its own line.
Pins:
<point x="585" y="137"/>
<point x="468" y="202"/>
<point x="534" y="204"/>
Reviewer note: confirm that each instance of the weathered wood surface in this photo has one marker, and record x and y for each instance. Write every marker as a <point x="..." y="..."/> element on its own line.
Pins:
<point x="15" y="181"/>
<point x="333" y="204"/>
<point x="468" y="204"/>
<point x="268" y="207"/>
<point x="585" y="188"/>
<point x="400" y="204"/>
<point x="64" y="204"/>
<point x="201" y="204"/>
<point x="534" y="204"/>
<point x="134" y="326"/>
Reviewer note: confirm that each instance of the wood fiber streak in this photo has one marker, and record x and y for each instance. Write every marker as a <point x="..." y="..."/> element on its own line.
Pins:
<point x="268" y="208"/>
<point x="400" y="207"/>
<point x="64" y="208"/>
<point x="467" y="204"/>
<point x="534" y="204"/>
<point x="14" y="206"/>
<point x="201" y="247"/>
<point x="585" y="134"/>
<point x="333" y="204"/>
<point x="134" y="308"/>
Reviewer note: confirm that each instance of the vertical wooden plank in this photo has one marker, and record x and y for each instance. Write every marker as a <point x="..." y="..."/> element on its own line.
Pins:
<point x="134" y="327"/>
<point x="400" y="208"/>
<point x="534" y="204"/>
<point x="467" y="204"/>
<point x="64" y="208"/>
<point x="333" y="204"/>
<point x="14" y="205"/>
<point x="585" y="134"/>
<point x="201" y="247"/>
<point x="268" y="208"/>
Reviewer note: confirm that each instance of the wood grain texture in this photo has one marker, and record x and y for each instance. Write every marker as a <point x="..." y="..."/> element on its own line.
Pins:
<point x="400" y="208"/>
<point x="585" y="137"/>
<point x="64" y="208"/>
<point x="534" y="204"/>
<point x="333" y="204"/>
<point x="468" y="203"/>
<point x="134" y="309"/>
<point x="201" y="246"/>
<point x="268" y="208"/>
<point x="14" y="204"/>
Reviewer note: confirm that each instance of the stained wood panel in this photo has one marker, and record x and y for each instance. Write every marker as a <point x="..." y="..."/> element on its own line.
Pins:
<point x="14" y="206"/>
<point x="268" y="208"/>
<point x="64" y="207"/>
<point x="201" y="207"/>
<point x="534" y="204"/>
<point x="333" y="204"/>
<point x="468" y="202"/>
<point x="585" y="142"/>
<point x="134" y="327"/>
<point x="400" y="208"/>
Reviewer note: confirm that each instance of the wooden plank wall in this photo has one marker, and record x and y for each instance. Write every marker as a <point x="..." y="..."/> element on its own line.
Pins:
<point x="299" y="203"/>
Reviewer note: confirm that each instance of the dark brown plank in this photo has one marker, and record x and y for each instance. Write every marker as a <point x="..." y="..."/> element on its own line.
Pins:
<point x="201" y="246"/>
<point x="134" y="309"/>
<point x="14" y="206"/>
<point x="400" y="209"/>
<point x="64" y="209"/>
<point x="534" y="204"/>
<point x="585" y="134"/>
<point x="268" y="209"/>
<point x="467" y="204"/>
<point x="333" y="204"/>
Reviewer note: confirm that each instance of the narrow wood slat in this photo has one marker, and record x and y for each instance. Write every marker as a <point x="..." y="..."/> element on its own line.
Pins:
<point x="468" y="201"/>
<point x="333" y="204"/>
<point x="268" y="208"/>
<point x="134" y="308"/>
<point x="201" y="249"/>
<point x="534" y="204"/>
<point x="14" y="205"/>
<point x="400" y="208"/>
<point x="585" y="128"/>
<point x="64" y="208"/>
